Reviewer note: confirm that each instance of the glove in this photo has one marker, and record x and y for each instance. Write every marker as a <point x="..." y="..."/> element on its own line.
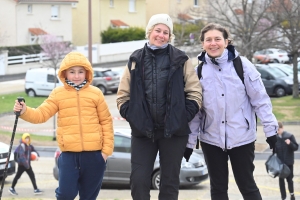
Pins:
<point x="187" y="154"/>
<point x="272" y="141"/>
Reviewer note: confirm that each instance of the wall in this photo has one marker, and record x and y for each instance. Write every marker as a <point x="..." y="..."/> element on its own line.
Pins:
<point x="7" y="23"/>
<point x="41" y="18"/>
<point x="102" y="13"/>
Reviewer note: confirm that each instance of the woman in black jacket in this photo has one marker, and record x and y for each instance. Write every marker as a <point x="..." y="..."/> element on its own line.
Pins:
<point x="285" y="146"/>
<point x="159" y="94"/>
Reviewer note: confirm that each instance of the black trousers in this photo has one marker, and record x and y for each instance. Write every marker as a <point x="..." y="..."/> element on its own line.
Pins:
<point x="241" y="159"/>
<point x="143" y="154"/>
<point x="290" y="182"/>
<point x="19" y="173"/>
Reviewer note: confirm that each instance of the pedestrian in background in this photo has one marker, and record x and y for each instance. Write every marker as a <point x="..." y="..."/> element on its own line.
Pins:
<point x="85" y="128"/>
<point x="159" y="93"/>
<point x="226" y="124"/>
<point x="23" y="158"/>
<point x="285" y="146"/>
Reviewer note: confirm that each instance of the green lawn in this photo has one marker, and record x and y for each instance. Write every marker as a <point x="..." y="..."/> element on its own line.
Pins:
<point x="286" y="108"/>
<point x="7" y="101"/>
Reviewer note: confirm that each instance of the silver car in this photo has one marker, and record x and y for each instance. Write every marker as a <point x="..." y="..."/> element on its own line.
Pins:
<point x="105" y="80"/>
<point x="119" y="166"/>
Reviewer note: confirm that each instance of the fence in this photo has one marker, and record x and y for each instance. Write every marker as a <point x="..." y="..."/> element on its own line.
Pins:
<point x="23" y="59"/>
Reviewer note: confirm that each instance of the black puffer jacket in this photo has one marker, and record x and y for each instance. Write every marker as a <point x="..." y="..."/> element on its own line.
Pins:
<point x="284" y="151"/>
<point x="178" y="109"/>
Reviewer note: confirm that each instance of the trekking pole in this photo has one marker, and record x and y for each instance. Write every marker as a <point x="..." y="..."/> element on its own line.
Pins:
<point x="20" y="99"/>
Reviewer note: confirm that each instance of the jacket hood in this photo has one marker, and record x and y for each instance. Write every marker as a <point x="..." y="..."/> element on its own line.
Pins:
<point x="232" y="54"/>
<point x="75" y="59"/>
<point x="24" y="136"/>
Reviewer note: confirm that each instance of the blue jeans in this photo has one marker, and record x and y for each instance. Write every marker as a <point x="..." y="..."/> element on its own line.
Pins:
<point x="80" y="172"/>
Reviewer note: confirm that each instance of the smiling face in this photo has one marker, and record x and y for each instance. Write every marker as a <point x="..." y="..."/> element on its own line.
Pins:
<point x="160" y="35"/>
<point x="214" y="43"/>
<point x="76" y="74"/>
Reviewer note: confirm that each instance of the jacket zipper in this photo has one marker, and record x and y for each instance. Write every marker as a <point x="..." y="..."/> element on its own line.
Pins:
<point x="79" y="118"/>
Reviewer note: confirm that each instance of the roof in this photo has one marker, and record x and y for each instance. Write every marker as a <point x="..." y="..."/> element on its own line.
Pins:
<point x="185" y="17"/>
<point x="118" y="23"/>
<point x="37" y="31"/>
<point x="47" y="1"/>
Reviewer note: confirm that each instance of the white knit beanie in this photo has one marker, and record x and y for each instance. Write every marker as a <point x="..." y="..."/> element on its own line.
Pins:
<point x="160" y="19"/>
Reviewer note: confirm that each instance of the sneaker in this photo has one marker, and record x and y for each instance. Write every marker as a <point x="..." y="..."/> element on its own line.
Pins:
<point x="292" y="197"/>
<point x="12" y="191"/>
<point x="37" y="191"/>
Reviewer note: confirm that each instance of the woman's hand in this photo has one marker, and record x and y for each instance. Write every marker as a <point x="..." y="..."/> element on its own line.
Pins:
<point x="19" y="106"/>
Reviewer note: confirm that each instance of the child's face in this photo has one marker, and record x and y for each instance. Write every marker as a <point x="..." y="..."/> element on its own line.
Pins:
<point x="27" y="139"/>
<point x="76" y="74"/>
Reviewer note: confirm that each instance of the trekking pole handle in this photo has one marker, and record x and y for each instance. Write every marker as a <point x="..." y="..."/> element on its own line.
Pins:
<point x="20" y="99"/>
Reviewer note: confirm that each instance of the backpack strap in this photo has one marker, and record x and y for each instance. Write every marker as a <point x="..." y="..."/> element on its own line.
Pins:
<point x="199" y="70"/>
<point x="237" y="63"/>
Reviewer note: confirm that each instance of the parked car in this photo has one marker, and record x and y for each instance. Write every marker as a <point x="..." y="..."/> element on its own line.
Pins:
<point x="40" y="81"/>
<point x="118" y="71"/>
<point x="118" y="165"/>
<point x="106" y="80"/>
<point x="259" y="57"/>
<point x="276" y="82"/>
<point x="287" y="69"/>
<point x="11" y="168"/>
<point x="272" y="55"/>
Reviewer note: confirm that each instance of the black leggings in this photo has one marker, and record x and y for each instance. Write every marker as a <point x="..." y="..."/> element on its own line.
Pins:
<point x="20" y="171"/>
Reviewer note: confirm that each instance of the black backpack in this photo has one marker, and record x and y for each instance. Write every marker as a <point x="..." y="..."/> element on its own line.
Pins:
<point x="237" y="63"/>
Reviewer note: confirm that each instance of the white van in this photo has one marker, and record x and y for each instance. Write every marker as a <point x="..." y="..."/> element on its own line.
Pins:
<point x="40" y="81"/>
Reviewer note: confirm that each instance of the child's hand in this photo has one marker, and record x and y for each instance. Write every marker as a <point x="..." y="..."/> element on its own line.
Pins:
<point x="104" y="156"/>
<point x="19" y="106"/>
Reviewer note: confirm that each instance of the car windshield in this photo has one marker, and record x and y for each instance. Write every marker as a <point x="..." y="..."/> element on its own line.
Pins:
<point x="277" y="73"/>
<point x="287" y="69"/>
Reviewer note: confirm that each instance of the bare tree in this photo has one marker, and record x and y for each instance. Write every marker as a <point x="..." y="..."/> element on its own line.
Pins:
<point x="55" y="50"/>
<point x="287" y="13"/>
<point x="251" y="27"/>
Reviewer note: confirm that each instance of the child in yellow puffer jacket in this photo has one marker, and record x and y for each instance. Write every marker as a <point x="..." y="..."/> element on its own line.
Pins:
<point x="84" y="132"/>
<point x="23" y="157"/>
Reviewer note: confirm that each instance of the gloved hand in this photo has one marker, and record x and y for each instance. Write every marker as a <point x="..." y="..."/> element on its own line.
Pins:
<point x="272" y="141"/>
<point x="187" y="154"/>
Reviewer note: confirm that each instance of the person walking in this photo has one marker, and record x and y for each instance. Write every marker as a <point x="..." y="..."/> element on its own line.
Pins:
<point x="85" y="129"/>
<point x="285" y="146"/>
<point x="226" y="124"/>
<point x="23" y="158"/>
<point x="159" y="93"/>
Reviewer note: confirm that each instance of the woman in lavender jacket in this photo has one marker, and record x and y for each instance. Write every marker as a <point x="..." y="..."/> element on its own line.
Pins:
<point x="226" y="123"/>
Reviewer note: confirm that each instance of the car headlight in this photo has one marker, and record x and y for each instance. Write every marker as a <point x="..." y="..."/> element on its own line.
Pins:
<point x="200" y="163"/>
<point x="187" y="165"/>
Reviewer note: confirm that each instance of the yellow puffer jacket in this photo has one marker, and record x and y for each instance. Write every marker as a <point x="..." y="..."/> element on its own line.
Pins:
<point x="84" y="122"/>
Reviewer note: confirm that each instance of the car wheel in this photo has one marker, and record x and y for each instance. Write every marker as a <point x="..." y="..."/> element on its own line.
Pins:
<point x="31" y="93"/>
<point x="155" y="180"/>
<point x="275" y="61"/>
<point x="102" y="88"/>
<point x="280" y="92"/>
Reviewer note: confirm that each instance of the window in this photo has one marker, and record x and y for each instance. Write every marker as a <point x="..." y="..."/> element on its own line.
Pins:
<point x="54" y="12"/>
<point x="50" y="78"/>
<point x="122" y="144"/>
<point x="111" y="3"/>
<point x="196" y="2"/>
<point x="29" y="9"/>
<point x="131" y="5"/>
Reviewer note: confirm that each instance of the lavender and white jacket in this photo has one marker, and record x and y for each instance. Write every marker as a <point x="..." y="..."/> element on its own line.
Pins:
<point x="227" y="118"/>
